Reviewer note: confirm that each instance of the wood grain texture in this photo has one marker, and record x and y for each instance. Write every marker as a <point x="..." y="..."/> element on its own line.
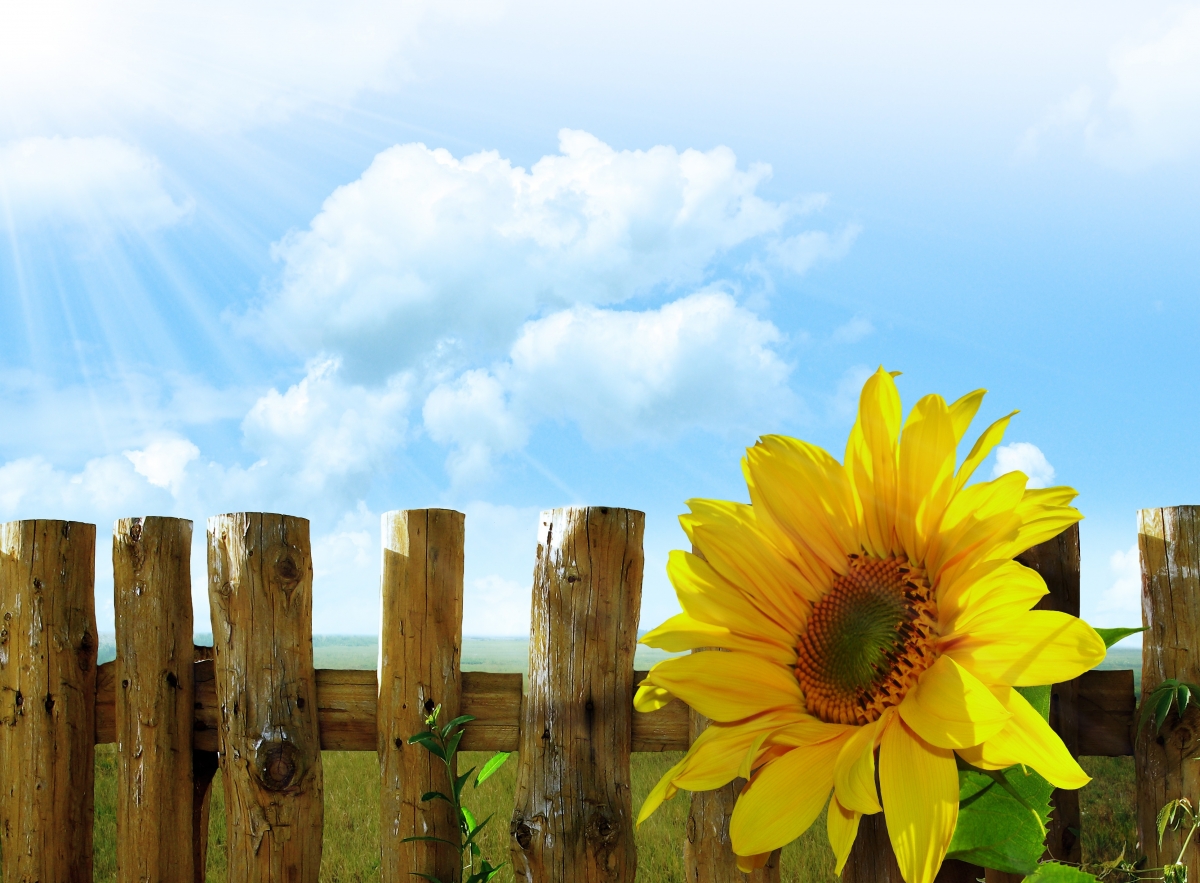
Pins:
<point x="1169" y="545"/>
<point x="573" y="819"/>
<point x="420" y="642"/>
<point x="1106" y="707"/>
<point x="707" y="851"/>
<point x="152" y="591"/>
<point x="1057" y="560"/>
<point x="260" y="592"/>
<point x="206" y="764"/>
<point x="47" y="687"/>
<point x="872" y="859"/>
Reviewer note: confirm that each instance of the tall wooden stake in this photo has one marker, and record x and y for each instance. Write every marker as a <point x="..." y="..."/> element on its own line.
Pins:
<point x="47" y="700"/>
<point x="1169" y="543"/>
<point x="573" y="818"/>
<point x="420" y="641"/>
<point x="260" y="591"/>
<point x="155" y="699"/>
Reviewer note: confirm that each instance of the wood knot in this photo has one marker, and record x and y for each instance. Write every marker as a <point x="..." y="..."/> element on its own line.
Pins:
<point x="430" y="705"/>
<point x="602" y="827"/>
<point x="49" y="703"/>
<point x="135" y="530"/>
<point x="522" y="833"/>
<point x="172" y="681"/>
<point x="276" y="763"/>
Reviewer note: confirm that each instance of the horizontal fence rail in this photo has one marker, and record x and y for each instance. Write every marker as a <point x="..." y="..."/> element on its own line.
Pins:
<point x="253" y="708"/>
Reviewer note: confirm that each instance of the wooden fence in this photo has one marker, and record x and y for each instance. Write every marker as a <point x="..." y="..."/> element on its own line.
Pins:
<point x="256" y="702"/>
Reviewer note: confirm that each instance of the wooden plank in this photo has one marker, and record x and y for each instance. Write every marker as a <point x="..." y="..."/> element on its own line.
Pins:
<point x="573" y="818"/>
<point x="152" y="590"/>
<point x="47" y="683"/>
<point x="1169" y="545"/>
<point x="420" y="642"/>
<point x="872" y="859"/>
<point x="1057" y="560"/>
<point x="1107" y="707"/>
<point x="260" y="592"/>
<point x="346" y="701"/>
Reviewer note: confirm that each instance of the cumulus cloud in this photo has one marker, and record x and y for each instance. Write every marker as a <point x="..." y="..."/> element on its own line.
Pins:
<point x="89" y="183"/>
<point x="801" y="252"/>
<point x="218" y="65"/>
<point x="323" y="428"/>
<point x="431" y="257"/>
<point x="853" y="331"/>
<point x="701" y="362"/>
<point x="1150" y="114"/>
<point x="164" y="463"/>
<point x="1024" y="457"/>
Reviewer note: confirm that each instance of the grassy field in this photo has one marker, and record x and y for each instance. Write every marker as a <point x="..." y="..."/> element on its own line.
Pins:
<point x="352" y="795"/>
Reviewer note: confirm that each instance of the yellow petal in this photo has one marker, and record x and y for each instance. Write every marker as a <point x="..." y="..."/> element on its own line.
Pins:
<point x="927" y="450"/>
<point x="981" y="522"/>
<point x="728" y="686"/>
<point x="950" y="708"/>
<point x="842" y="826"/>
<point x="854" y="772"/>
<point x="707" y="596"/>
<point x="807" y="493"/>
<point x="993" y="590"/>
<point x="983" y="446"/>
<point x="650" y="698"/>
<point x="731" y="540"/>
<point x="1044" y="515"/>
<point x="661" y="792"/>
<point x="681" y="632"/>
<point x="1027" y="739"/>
<point x="871" y="462"/>
<point x="919" y="785"/>
<point x="963" y="411"/>
<point x="783" y="799"/>
<point x="748" y="864"/>
<point x="1035" y="648"/>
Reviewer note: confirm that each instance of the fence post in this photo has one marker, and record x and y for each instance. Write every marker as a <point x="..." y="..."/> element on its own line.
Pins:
<point x="260" y="591"/>
<point x="1057" y="560"/>
<point x="420" y="643"/>
<point x="155" y="698"/>
<point x="707" y="852"/>
<point x="573" y="818"/>
<point x="47" y="699"/>
<point x="1169" y="542"/>
<point x="205" y="765"/>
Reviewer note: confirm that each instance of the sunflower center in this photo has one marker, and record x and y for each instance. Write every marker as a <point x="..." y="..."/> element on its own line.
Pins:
<point x="867" y="641"/>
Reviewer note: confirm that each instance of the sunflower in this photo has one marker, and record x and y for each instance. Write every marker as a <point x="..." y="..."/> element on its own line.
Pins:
<point x="866" y="607"/>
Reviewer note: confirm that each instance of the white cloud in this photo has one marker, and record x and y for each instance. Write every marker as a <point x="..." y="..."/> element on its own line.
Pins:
<point x="216" y="65"/>
<point x="1150" y="114"/>
<point x="1024" y="457"/>
<point x="89" y="183"/>
<point x="801" y="252"/>
<point x="1122" y="601"/>
<point x="322" y="428"/>
<point x="164" y="463"/>
<point x="701" y="362"/>
<point x="500" y="554"/>
<point x="429" y="256"/>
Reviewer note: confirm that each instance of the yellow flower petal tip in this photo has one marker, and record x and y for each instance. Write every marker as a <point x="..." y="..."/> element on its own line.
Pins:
<point x="867" y="605"/>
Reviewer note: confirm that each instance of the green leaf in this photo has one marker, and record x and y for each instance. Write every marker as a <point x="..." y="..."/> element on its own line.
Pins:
<point x="459" y="721"/>
<point x="1053" y="872"/>
<point x="1182" y="694"/>
<point x="436" y="795"/>
<point x="494" y="763"/>
<point x="452" y="745"/>
<point x="1163" y="708"/>
<point x="996" y="829"/>
<point x="461" y="780"/>
<point x="1039" y="698"/>
<point x="1111" y="636"/>
<point x="475" y="831"/>
<point x="468" y="817"/>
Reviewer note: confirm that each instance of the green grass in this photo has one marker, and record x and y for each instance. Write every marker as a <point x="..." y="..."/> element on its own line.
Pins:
<point x="351" y="837"/>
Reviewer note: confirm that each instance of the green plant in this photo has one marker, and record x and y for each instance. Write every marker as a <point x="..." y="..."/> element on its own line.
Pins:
<point x="442" y="743"/>
<point x="1159" y="701"/>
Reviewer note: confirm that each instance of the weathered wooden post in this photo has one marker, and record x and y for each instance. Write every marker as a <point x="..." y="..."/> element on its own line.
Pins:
<point x="47" y="700"/>
<point x="573" y="819"/>
<point x="707" y="852"/>
<point x="260" y="590"/>
<point x="1169" y="542"/>
<point x="155" y="699"/>
<point x="420" y="644"/>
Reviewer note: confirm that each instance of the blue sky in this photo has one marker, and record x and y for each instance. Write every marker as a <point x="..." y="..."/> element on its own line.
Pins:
<point x="499" y="256"/>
